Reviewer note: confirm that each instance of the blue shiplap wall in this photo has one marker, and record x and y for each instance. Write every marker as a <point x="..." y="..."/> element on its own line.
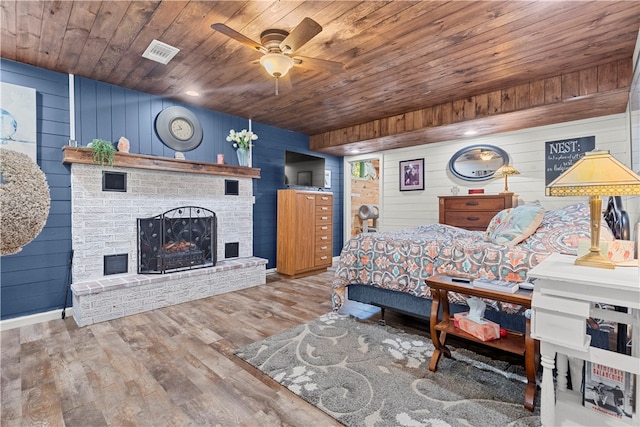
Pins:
<point x="108" y="112"/>
<point x="34" y="280"/>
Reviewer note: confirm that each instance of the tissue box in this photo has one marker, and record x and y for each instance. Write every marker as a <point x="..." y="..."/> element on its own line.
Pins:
<point x="616" y="250"/>
<point x="483" y="331"/>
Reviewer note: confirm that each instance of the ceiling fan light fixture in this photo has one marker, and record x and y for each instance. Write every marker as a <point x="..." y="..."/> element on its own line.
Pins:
<point x="276" y="64"/>
<point x="486" y="155"/>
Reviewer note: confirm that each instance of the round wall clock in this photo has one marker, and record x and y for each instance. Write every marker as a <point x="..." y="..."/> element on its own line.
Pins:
<point x="179" y="129"/>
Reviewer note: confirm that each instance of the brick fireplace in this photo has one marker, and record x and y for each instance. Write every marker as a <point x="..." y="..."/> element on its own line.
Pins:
<point x="104" y="225"/>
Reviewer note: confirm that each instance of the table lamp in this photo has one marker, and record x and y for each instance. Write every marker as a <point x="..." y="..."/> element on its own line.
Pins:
<point x="596" y="174"/>
<point x="505" y="171"/>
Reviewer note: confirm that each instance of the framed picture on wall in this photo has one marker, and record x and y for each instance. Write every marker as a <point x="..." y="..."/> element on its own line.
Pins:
<point x="18" y="118"/>
<point x="327" y="178"/>
<point x="412" y="175"/>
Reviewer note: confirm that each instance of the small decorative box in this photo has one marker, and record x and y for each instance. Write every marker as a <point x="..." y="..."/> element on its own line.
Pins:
<point x="621" y="250"/>
<point x="486" y="331"/>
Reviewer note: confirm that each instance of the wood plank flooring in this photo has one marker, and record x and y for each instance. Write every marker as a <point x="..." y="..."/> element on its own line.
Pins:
<point x="169" y="367"/>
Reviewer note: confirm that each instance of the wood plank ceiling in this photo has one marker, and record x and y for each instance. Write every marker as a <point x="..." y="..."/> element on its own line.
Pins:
<point x="415" y="71"/>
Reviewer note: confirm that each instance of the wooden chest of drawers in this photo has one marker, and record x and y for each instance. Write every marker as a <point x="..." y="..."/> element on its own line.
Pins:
<point x="305" y="232"/>
<point x="473" y="212"/>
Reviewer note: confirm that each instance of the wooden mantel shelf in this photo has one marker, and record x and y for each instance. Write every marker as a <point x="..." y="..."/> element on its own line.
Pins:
<point x="139" y="161"/>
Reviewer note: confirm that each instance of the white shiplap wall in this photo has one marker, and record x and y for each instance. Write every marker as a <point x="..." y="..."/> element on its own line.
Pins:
<point x="526" y="149"/>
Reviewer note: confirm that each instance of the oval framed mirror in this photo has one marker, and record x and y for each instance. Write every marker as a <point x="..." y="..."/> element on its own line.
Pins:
<point x="477" y="162"/>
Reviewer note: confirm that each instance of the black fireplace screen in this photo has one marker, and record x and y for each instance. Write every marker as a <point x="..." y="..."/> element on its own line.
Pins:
<point x="180" y="239"/>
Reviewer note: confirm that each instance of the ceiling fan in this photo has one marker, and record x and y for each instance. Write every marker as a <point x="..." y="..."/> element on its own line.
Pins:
<point x="481" y="154"/>
<point x="279" y="46"/>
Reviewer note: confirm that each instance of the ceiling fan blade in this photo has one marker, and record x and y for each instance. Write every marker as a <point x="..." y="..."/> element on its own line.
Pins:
<point x="230" y="32"/>
<point x="318" y="64"/>
<point x="305" y="31"/>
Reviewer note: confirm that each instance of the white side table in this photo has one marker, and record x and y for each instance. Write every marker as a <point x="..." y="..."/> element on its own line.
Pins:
<point x="562" y="302"/>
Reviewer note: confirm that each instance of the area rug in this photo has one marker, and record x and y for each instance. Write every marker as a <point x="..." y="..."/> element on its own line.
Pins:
<point x="363" y="374"/>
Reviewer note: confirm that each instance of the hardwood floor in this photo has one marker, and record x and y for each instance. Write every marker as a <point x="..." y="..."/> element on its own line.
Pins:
<point x="169" y="367"/>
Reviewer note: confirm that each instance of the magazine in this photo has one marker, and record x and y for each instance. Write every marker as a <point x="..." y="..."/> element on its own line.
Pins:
<point x="608" y="390"/>
<point x="497" y="285"/>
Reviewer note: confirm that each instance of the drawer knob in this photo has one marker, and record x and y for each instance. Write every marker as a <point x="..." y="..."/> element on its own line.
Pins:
<point x="324" y="238"/>
<point x="324" y="228"/>
<point x="473" y="218"/>
<point x="472" y="203"/>
<point x="323" y="248"/>
<point x="324" y="208"/>
<point x="323" y="257"/>
<point x="324" y="217"/>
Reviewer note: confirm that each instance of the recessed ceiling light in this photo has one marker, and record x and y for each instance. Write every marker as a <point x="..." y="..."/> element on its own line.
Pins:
<point x="192" y="93"/>
<point x="470" y="132"/>
<point x="355" y="151"/>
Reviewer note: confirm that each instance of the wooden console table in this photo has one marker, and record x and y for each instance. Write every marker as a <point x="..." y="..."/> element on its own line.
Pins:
<point x="562" y="302"/>
<point x="514" y="342"/>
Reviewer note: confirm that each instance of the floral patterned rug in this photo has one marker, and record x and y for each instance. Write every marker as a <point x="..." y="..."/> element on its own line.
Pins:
<point x="363" y="374"/>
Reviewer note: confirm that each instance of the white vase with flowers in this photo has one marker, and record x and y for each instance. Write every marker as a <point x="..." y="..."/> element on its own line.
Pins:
<point x="242" y="142"/>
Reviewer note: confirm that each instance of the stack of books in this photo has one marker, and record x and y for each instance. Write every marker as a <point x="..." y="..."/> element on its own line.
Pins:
<point x="496" y="285"/>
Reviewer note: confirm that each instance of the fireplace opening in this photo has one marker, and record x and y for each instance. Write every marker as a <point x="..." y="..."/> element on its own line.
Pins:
<point x="180" y="239"/>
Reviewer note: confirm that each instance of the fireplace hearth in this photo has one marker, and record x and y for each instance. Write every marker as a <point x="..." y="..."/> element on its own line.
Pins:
<point x="183" y="238"/>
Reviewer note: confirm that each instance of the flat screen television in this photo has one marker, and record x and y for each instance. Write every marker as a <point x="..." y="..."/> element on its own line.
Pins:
<point x="303" y="170"/>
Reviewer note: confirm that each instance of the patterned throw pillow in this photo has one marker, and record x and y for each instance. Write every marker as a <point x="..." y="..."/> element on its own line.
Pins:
<point x="561" y="229"/>
<point x="511" y="226"/>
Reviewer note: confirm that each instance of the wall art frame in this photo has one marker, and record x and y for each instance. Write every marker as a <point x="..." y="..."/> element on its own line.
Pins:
<point x="412" y="175"/>
<point x="18" y="118"/>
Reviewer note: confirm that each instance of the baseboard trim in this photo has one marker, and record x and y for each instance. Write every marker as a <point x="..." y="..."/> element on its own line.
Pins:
<point x="334" y="264"/>
<point x="32" y="319"/>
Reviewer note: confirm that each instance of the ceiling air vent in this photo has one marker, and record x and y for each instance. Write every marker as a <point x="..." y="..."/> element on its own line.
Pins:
<point x="160" y="52"/>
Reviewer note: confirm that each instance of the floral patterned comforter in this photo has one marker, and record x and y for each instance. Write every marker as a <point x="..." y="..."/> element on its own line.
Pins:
<point x="403" y="260"/>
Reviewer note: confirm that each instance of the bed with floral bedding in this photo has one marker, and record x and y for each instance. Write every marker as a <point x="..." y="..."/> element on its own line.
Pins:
<point x="389" y="269"/>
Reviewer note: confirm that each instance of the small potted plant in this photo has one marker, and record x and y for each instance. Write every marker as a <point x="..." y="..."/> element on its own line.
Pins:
<point x="103" y="151"/>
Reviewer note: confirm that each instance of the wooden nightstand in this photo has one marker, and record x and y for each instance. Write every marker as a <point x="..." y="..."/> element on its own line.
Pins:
<point x="562" y="302"/>
<point x="473" y="212"/>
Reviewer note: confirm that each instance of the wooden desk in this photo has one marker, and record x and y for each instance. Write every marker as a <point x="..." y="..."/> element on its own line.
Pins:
<point x="514" y="342"/>
<point x="562" y="302"/>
